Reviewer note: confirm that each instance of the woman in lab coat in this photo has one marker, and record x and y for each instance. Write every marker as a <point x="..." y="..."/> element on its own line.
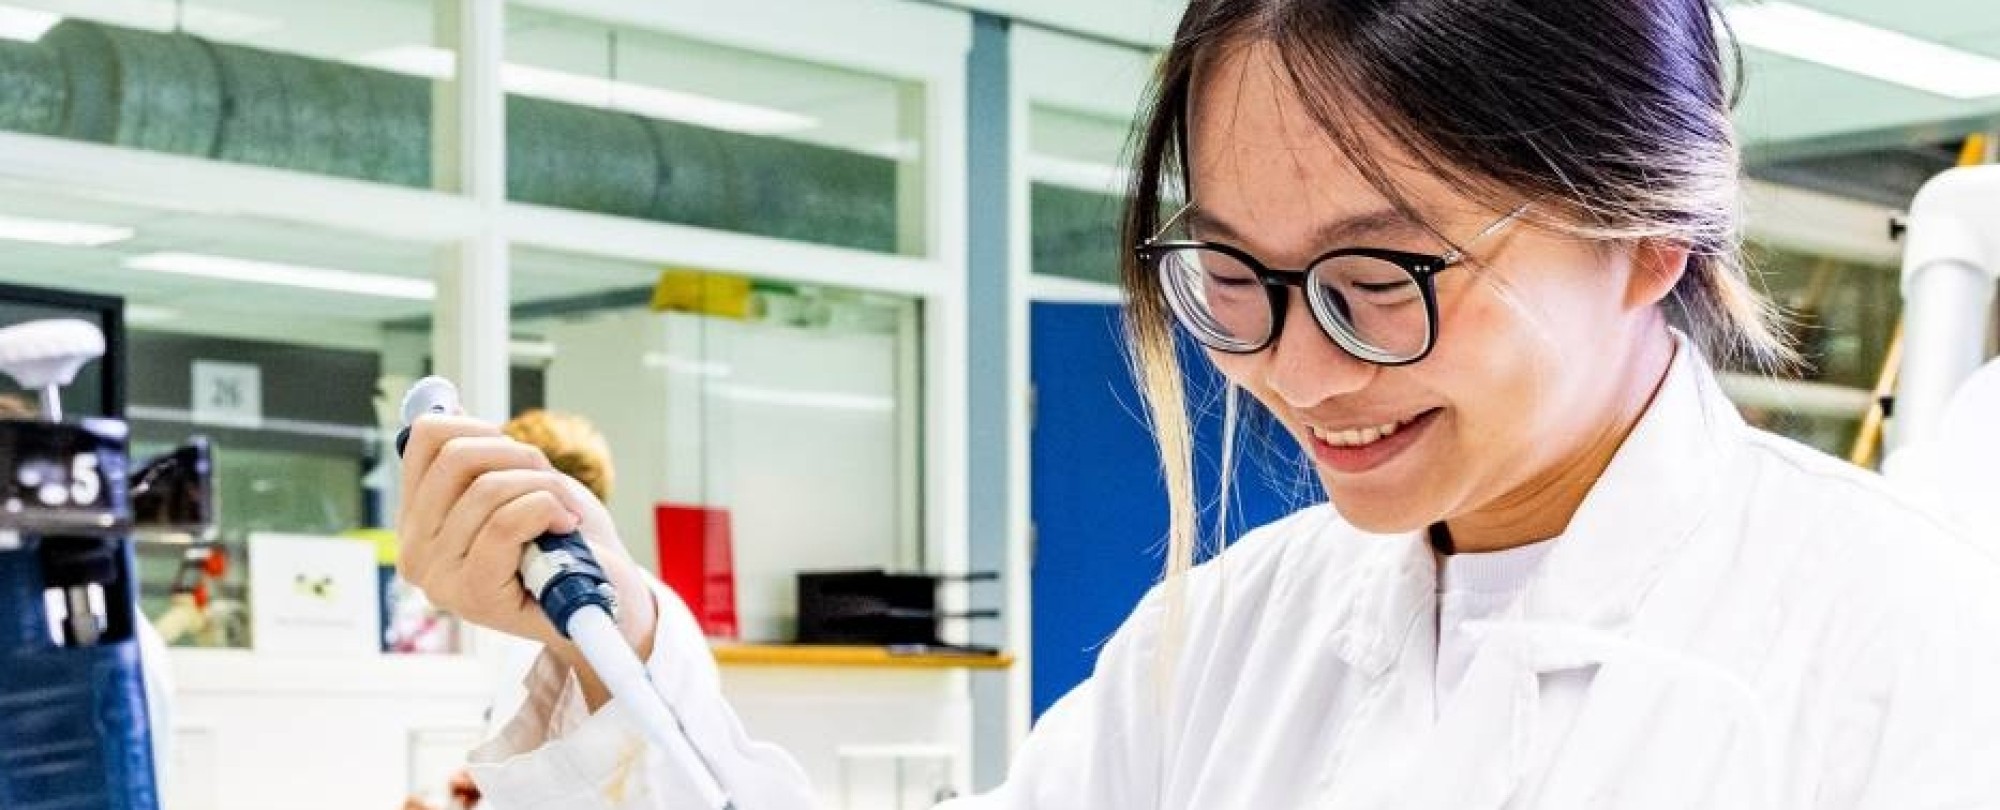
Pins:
<point x="1556" y="569"/>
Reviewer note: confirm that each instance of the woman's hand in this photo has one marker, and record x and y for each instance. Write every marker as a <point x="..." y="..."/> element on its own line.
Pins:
<point x="471" y="499"/>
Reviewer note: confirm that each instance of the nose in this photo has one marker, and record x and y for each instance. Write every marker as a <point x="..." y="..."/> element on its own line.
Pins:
<point x="1305" y="366"/>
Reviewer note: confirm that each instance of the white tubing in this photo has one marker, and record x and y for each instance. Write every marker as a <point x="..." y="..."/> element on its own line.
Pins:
<point x="1949" y="267"/>
<point x="597" y="636"/>
<point x="1947" y="310"/>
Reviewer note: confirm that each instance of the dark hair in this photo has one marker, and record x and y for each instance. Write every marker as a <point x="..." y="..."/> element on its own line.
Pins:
<point x="1612" y="115"/>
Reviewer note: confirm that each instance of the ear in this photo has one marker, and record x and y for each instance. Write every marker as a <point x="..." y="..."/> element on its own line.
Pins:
<point x="1657" y="267"/>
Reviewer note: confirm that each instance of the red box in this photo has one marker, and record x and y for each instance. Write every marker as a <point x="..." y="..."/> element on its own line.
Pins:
<point x="696" y="562"/>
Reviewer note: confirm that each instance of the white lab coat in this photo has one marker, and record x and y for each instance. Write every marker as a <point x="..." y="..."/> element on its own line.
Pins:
<point x="1952" y="465"/>
<point x="1731" y="620"/>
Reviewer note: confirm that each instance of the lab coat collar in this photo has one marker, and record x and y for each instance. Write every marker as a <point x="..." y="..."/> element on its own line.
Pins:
<point x="1659" y="487"/>
<point x="1643" y="508"/>
<point x="1575" y="613"/>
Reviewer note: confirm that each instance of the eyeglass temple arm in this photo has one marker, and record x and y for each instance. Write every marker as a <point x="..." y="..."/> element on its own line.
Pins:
<point x="1457" y="254"/>
<point x="1169" y="224"/>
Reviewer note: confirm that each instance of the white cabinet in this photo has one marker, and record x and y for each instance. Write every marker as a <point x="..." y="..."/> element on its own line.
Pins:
<point x="257" y="731"/>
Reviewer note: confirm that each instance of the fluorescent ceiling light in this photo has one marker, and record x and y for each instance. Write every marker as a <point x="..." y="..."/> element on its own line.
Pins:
<point x="214" y="23"/>
<point x="592" y="91"/>
<point x="652" y="102"/>
<point x="520" y="349"/>
<point x="30" y="24"/>
<point x="901" y="150"/>
<point x="285" y="275"/>
<point x="56" y="232"/>
<point x="26" y="25"/>
<point x="143" y="314"/>
<point x="414" y="60"/>
<point x="676" y="364"/>
<point x="815" y="400"/>
<point x="1082" y="174"/>
<point x="1844" y="44"/>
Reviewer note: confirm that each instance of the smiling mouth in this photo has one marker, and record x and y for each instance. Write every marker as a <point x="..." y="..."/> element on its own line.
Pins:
<point x="1362" y="437"/>
<point x="1353" y="451"/>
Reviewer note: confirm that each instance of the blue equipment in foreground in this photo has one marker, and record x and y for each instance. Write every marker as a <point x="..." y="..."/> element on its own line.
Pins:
<point x="74" y="733"/>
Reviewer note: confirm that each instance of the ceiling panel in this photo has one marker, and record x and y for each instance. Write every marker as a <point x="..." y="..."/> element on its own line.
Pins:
<point x="1966" y="23"/>
<point x="187" y="303"/>
<point x="1791" y="101"/>
<point x="851" y="110"/>
<point x="541" y="276"/>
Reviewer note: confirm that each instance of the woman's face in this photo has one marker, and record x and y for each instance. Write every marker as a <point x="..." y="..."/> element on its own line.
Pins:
<point x="1538" y="333"/>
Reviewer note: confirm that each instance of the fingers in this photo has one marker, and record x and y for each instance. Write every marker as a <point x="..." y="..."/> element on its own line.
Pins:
<point x="490" y="571"/>
<point x="456" y="532"/>
<point x="427" y="435"/>
<point x="452" y="468"/>
<point x="472" y="498"/>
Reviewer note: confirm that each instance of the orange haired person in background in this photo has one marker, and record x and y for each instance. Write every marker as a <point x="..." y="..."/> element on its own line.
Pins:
<point x="572" y="444"/>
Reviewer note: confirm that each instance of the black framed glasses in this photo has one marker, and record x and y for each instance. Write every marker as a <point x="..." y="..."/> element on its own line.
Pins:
<point x="1378" y="305"/>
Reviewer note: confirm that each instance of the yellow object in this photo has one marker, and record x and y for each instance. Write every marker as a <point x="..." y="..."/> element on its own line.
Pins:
<point x="1973" y="152"/>
<point x="384" y="540"/>
<point x="719" y="294"/>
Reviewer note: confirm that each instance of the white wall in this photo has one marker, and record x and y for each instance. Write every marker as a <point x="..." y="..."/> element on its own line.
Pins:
<point x="258" y="730"/>
<point x="815" y="714"/>
<point x="255" y="731"/>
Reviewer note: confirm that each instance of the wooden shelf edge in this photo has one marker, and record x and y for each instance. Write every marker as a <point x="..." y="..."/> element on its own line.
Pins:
<point x="733" y="654"/>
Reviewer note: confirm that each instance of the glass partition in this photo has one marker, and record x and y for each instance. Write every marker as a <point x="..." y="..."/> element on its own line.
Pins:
<point x="1077" y="184"/>
<point x="1842" y="316"/>
<point x="790" y="414"/>
<point x="283" y="85"/>
<point x="646" y="124"/>
<point x="274" y="340"/>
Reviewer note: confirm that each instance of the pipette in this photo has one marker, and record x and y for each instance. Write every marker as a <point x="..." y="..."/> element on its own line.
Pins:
<point x="565" y="579"/>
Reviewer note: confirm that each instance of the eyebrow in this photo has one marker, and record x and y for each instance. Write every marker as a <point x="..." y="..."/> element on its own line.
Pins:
<point x="1345" y="231"/>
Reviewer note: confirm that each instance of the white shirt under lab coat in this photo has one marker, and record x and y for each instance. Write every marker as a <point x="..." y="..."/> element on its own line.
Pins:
<point x="1731" y="620"/>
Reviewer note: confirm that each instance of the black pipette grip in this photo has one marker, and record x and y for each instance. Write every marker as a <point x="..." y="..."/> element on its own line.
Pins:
<point x="564" y="577"/>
